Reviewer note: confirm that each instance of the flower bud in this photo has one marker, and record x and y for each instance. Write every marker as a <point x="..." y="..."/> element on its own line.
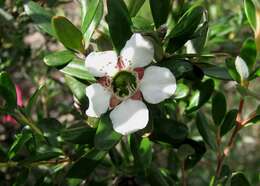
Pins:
<point x="257" y="30"/>
<point x="242" y="68"/>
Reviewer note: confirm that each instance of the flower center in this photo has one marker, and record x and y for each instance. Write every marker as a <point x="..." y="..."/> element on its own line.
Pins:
<point x="124" y="84"/>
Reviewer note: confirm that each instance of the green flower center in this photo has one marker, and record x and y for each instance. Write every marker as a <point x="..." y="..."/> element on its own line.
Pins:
<point x="124" y="84"/>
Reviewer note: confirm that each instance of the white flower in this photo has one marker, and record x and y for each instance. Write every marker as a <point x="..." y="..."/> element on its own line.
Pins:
<point x="123" y="83"/>
<point x="242" y="68"/>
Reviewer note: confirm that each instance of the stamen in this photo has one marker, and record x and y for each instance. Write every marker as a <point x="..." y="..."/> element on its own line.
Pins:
<point x="137" y="95"/>
<point x="140" y="72"/>
<point x="104" y="81"/>
<point x="120" y="63"/>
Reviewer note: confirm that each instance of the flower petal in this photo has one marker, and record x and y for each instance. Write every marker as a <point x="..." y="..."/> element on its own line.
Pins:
<point x="99" y="99"/>
<point x="101" y="64"/>
<point x="241" y="68"/>
<point x="157" y="84"/>
<point x="129" y="116"/>
<point x="138" y="51"/>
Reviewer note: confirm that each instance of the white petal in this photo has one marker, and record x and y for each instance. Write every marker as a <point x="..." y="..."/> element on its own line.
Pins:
<point x="99" y="99"/>
<point x="101" y="64"/>
<point x="129" y="116"/>
<point x="138" y="51"/>
<point x="157" y="84"/>
<point x="241" y="68"/>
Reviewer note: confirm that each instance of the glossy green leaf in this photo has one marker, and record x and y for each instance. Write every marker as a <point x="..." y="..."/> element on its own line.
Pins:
<point x="248" y="53"/>
<point x="194" y="158"/>
<point x="219" y="108"/>
<point x="142" y="151"/>
<point x="255" y="74"/>
<point x="160" y="10"/>
<point x="40" y="16"/>
<point x="20" y="141"/>
<point x="201" y="95"/>
<point x="181" y="92"/>
<point x="68" y="34"/>
<point x="119" y="23"/>
<point x="184" y="151"/>
<point x="169" y="131"/>
<point x="58" y="58"/>
<point x="33" y="99"/>
<point x="91" y="17"/>
<point x="86" y="164"/>
<point x="7" y="90"/>
<point x="217" y="72"/>
<point x="140" y="23"/>
<point x="239" y="179"/>
<point x="77" y="88"/>
<point x="106" y="137"/>
<point x="185" y="28"/>
<point x="250" y="11"/>
<point x="134" y="6"/>
<point x="229" y="122"/>
<point x="76" y="68"/>
<point x="79" y="134"/>
<point x="51" y="128"/>
<point x="230" y="64"/>
<point x="200" y="37"/>
<point x="178" y="67"/>
<point x="204" y="130"/>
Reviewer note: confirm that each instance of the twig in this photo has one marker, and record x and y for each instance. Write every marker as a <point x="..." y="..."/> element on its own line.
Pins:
<point x="239" y="124"/>
<point x="183" y="174"/>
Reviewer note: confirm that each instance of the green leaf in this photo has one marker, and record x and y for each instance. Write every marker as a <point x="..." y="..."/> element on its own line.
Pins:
<point x="181" y="92"/>
<point x="77" y="88"/>
<point x="250" y="12"/>
<point x="219" y="108"/>
<point x="217" y="72"/>
<point x="134" y="6"/>
<point x="169" y="131"/>
<point x="86" y="164"/>
<point x="119" y="23"/>
<point x="40" y="16"/>
<point x="33" y="99"/>
<point x="76" y="68"/>
<point x="248" y="53"/>
<point x="229" y="122"/>
<point x="51" y="128"/>
<point x="58" y="58"/>
<point x="106" y="137"/>
<point x="40" y="157"/>
<point x="79" y="134"/>
<point x="230" y="64"/>
<point x="185" y="28"/>
<point x="178" y="67"/>
<point x="184" y="151"/>
<point x="142" y="151"/>
<point x="201" y="96"/>
<point x="91" y="17"/>
<point x="68" y="34"/>
<point x="155" y="177"/>
<point x="7" y="90"/>
<point x="200" y="150"/>
<point x="20" y="141"/>
<point x="204" y="130"/>
<point x="160" y="10"/>
<point x="200" y="37"/>
<point x="239" y="179"/>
